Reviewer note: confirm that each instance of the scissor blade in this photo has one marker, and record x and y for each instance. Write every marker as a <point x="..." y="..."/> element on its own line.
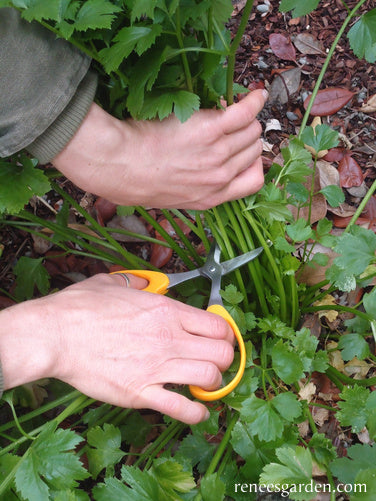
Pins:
<point x="179" y="278"/>
<point x="236" y="262"/>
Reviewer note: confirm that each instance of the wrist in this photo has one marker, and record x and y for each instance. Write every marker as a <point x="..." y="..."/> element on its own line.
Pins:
<point x="27" y="344"/>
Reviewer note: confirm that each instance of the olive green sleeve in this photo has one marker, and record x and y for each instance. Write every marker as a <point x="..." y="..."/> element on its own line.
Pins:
<point x="46" y="88"/>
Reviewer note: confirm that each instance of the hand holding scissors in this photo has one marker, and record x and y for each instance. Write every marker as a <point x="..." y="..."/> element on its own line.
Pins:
<point x="213" y="269"/>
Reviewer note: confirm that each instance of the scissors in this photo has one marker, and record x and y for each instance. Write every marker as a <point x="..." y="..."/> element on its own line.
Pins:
<point x="214" y="270"/>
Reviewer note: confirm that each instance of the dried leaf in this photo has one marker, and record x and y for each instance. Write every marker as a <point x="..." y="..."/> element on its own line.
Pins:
<point x="285" y="84"/>
<point x="329" y="101"/>
<point x="370" y="105"/>
<point x="130" y="223"/>
<point x="335" y="155"/>
<point x="328" y="174"/>
<point x="282" y="47"/>
<point x="307" y="392"/>
<point x="350" y="173"/>
<point x="308" y="44"/>
<point x="328" y="300"/>
<point x="105" y="210"/>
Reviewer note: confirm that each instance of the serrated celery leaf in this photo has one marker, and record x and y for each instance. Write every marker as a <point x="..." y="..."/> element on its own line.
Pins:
<point x="356" y="249"/>
<point x="353" y="345"/>
<point x="49" y="464"/>
<point x="18" y="184"/>
<point x="286" y="363"/>
<point x="298" y="7"/>
<point x="197" y="450"/>
<point x="355" y="406"/>
<point x="295" y="470"/>
<point x="142" y="8"/>
<point x="171" y="476"/>
<point x="130" y="38"/>
<point x="30" y="272"/>
<point x="265" y="421"/>
<point x="359" y="457"/>
<point x="320" y="138"/>
<point x="362" y="36"/>
<point x="181" y="102"/>
<point x="287" y="405"/>
<point x="105" y="448"/>
<point x="212" y="488"/>
<point x="95" y="14"/>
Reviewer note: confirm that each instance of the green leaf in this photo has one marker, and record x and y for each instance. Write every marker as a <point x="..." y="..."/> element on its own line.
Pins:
<point x="295" y="471"/>
<point x="299" y="231"/>
<point x="359" y="457"/>
<point x="299" y="7"/>
<point x="39" y="9"/>
<point x="171" y="477"/>
<point x="18" y="183"/>
<point x="298" y="191"/>
<point x="320" y="138"/>
<point x="132" y="38"/>
<point x="95" y="14"/>
<point x="365" y="485"/>
<point x="353" y="407"/>
<point x="357" y="250"/>
<point x="232" y="295"/>
<point x="143" y="8"/>
<point x="333" y="194"/>
<point x="70" y="495"/>
<point x="287" y="405"/>
<point x="135" y="429"/>
<point x="287" y="364"/>
<point x="197" y="450"/>
<point x="30" y="273"/>
<point x="323" y="449"/>
<point x="362" y="36"/>
<point x="161" y="105"/>
<point x="105" y="448"/>
<point x="48" y="464"/>
<point x="297" y="160"/>
<point x="353" y="345"/>
<point x="369" y="303"/>
<point x="264" y="421"/>
<point x="212" y="488"/>
<point x="125" y="210"/>
<point x="282" y="244"/>
<point x="113" y="488"/>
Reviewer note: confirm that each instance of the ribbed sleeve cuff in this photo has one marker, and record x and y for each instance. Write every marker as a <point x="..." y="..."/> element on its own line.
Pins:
<point x="60" y="132"/>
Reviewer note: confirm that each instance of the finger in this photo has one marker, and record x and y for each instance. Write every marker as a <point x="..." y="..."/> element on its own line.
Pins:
<point x="244" y="159"/>
<point x="234" y="143"/>
<point x="197" y="348"/>
<point x="247" y="182"/>
<point x="241" y="114"/>
<point x="199" y="373"/>
<point x="204" y="323"/>
<point x="174" y="405"/>
<point x="134" y="282"/>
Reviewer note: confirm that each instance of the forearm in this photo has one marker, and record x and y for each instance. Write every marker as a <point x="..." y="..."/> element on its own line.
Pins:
<point x="27" y="343"/>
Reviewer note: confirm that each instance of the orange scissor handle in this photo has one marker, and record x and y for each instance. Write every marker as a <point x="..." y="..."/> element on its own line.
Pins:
<point x="209" y="396"/>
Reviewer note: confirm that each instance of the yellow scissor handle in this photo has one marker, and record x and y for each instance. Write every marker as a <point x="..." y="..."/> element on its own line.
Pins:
<point x="158" y="283"/>
<point x="209" y="396"/>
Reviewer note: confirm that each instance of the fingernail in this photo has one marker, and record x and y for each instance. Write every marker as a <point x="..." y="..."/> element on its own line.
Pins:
<point x="265" y="93"/>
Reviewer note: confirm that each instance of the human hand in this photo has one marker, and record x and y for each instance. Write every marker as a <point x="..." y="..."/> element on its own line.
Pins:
<point x="118" y="345"/>
<point x="211" y="158"/>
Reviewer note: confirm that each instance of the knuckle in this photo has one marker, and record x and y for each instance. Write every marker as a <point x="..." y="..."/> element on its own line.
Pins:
<point x="163" y="336"/>
<point x="211" y="375"/>
<point x="226" y="354"/>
